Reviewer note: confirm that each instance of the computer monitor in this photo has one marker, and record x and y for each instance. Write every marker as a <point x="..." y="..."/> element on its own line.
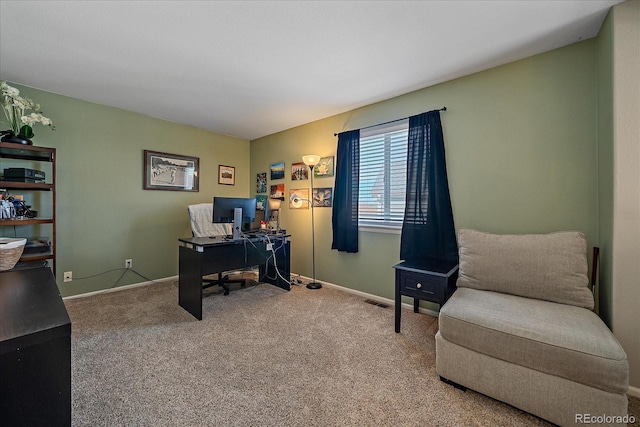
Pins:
<point x="225" y="210"/>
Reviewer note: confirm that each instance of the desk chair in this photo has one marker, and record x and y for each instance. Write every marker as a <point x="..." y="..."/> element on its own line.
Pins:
<point x="200" y="217"/>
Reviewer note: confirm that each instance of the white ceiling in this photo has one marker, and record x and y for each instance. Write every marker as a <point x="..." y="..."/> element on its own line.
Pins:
<point x="253" y="68"/>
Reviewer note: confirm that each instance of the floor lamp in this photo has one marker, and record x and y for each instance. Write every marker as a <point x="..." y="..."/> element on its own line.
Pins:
<point x="312" y="160"/>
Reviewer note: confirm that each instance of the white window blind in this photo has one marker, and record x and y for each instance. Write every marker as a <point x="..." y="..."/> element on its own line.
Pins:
<point x="383" y="175"/>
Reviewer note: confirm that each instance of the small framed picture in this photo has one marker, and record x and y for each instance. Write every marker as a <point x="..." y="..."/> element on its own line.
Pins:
<point x="277" y="191"/>
<point x="261" y="183"/>
<point x="277" y="170"/>
<point x="261" y="202"/>
<point x="299" y="171"/>
<point x="299" y="198"/>
<point x="164" y="171"/>
<point x="324" y="168"/>
<point x="226" y="175"/>
<point x="323" y="197"/>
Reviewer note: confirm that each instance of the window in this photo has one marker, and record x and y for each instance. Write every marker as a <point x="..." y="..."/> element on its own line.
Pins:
<point x="383" y="175"/>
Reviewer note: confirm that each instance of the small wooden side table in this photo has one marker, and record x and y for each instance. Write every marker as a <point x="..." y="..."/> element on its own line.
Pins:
<point x="426" y="279"/>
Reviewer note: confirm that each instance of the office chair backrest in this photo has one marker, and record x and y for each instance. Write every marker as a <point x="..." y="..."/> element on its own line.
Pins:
<point x="201" y="217"/>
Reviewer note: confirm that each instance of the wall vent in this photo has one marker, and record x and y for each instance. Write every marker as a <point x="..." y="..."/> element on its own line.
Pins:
<point x="379" y="304"/>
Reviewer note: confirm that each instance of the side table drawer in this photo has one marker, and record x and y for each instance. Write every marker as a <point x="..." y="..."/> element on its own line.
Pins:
<point x="422" y="286"/>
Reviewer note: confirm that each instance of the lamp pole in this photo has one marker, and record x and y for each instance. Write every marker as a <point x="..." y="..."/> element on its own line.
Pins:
<point x="311" y="161"/>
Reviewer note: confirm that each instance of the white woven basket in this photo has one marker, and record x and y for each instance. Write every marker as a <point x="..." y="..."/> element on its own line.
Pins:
<point x="10" y="252"/>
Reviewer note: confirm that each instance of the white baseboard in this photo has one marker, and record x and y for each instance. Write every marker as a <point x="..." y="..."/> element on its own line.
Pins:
<point x="387" y="301"/>
<point x="121" y="288"/>
<point x="308" y="279"/>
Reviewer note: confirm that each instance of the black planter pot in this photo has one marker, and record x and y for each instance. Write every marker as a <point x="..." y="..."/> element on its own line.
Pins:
<point x="16" y="139"/>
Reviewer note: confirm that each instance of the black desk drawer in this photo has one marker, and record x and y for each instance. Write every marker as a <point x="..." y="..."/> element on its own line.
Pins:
<point x="421" y="286"/>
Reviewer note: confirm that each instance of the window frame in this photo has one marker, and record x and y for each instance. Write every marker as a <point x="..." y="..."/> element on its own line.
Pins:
<point x="386" y="226"/>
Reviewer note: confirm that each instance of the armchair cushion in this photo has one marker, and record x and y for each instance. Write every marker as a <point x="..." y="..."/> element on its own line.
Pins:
<point x="558" y="339"/>
<point x="551" y="267"/>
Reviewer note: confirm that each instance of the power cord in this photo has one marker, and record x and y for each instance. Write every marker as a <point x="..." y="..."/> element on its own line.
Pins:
<point x="119" y="278"/>
<point x="272" y="257"/>
<point x="275" y="259"/>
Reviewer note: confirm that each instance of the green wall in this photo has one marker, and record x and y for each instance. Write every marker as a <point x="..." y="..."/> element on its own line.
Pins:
<point x="605" y="165"/>
<point x="103" y="214"/>
<point x="521" y="155"/>
<point x="521" y="150"/>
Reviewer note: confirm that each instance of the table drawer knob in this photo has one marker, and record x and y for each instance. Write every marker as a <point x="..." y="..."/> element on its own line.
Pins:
<point x="419" y="285"/>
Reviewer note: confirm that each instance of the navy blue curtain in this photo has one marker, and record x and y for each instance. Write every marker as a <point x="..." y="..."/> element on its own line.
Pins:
<point x="427" y="229"/>
<point x="345" y="195"/>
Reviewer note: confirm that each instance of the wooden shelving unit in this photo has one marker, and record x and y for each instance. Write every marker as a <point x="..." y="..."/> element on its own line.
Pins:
<point x="30" y="154"/>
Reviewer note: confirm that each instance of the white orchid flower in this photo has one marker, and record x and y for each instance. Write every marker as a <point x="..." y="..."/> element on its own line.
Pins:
<point x="14" y="107"/>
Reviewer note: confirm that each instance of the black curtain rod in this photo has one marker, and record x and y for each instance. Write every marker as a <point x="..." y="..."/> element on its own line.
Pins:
<point x="392" y="121"/>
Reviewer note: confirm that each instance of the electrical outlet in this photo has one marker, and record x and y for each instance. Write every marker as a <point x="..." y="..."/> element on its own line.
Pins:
<point x="269" y="246"/>
<point x="128" y="263"/>
<point x="68" y="276"/>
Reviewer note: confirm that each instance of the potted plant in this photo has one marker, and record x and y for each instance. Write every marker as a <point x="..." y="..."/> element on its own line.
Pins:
<point x="21" y="123"/>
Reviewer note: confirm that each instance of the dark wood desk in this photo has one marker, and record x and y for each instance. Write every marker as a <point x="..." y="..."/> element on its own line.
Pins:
<point x="200" y="256"/>
<point x="427" y="279"/>
<point x="35" y="350"/>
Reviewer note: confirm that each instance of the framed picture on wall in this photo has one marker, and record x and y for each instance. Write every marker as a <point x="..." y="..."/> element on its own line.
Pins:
<point x="226" y="175"/>
<point x="261" y="202"/>
<point x="299" y="171"/>
<point x="324" y="168"/>
<point x="277" y="170"/>
<point x="277" y="191"/>
<point x="164" y="171"/>
<point x="261" y="183"/>
<point x="299" y="198"/>
<point x="323" y="197"/>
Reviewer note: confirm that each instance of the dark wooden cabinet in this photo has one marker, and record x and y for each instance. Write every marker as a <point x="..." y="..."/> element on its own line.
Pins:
<point x="428" y="279"/>
<point x="35" y="350"/>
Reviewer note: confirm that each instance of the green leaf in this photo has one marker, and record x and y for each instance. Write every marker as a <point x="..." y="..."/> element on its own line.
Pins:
<point x="26" y="131"/>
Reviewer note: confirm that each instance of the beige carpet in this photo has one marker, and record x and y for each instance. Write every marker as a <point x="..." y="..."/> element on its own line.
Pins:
<point x="262" y="357"/>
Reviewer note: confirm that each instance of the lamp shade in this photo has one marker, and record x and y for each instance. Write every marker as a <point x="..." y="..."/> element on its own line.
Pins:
<point x="311" y="159"/>
<point x="274" y="204"/>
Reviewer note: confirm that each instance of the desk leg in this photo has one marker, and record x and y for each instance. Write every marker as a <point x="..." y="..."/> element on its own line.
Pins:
<point x="283" y="259"/>
<point x="398" y="304"/>
<point x="190" y="281"/>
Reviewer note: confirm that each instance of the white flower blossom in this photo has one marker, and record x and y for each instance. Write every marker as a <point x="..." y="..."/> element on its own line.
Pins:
<point x="12" y="92"/>
<point x="33" y="118"/>
<point x="14" y="107"/>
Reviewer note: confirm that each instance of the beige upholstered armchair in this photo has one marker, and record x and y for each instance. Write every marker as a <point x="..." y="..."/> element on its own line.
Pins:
<point x="520" y="328"/>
